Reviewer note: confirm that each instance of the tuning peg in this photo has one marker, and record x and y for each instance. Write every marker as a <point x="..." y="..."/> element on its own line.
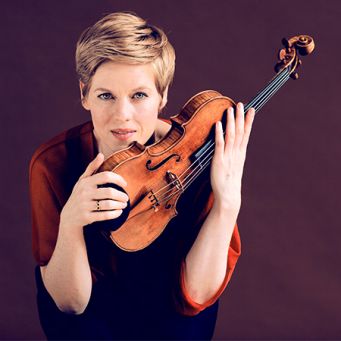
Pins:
<point x="294" y="75"/>
<point x="286" y="43"/>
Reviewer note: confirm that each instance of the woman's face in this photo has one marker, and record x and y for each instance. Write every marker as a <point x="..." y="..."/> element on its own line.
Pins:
<point x="124" y="105"/>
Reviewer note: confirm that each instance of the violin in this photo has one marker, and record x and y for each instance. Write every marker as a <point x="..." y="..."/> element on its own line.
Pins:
<point x="157" y="175"/>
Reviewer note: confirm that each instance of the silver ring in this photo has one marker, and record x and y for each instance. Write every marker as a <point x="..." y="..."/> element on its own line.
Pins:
<point x="98" y="208"/>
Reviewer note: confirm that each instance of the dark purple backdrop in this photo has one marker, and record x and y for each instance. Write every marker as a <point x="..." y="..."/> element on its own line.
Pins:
<point x="288" y="279"/>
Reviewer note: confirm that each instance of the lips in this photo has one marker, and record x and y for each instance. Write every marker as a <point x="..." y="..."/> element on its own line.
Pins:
<point x="123" y="131"/>
<point x="123" y="134"/>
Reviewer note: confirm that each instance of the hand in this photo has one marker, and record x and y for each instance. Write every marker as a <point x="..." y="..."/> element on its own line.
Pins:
<point x="81" y="207"/>
<point x="229" y="157"/>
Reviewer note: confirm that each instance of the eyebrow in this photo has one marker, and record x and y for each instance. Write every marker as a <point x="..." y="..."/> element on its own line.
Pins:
<point x="136" y="89"/>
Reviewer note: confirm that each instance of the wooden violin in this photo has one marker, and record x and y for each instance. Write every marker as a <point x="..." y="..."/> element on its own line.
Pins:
<point x="158" y="174"/>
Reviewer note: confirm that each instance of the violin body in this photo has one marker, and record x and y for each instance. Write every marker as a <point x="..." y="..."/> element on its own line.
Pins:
<point x="162" y="165"/>
<point x="158" y="174"/>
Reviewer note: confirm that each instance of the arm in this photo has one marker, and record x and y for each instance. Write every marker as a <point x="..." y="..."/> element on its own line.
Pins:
<point x="206" y="262"/>
<point x="67" y="276"/>
<point x="62" y="252"/>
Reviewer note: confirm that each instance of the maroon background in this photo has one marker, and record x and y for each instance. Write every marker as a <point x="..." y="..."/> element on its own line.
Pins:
<point x="287" y="282"/>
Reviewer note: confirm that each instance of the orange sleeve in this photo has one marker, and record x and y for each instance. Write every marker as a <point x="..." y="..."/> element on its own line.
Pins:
<point x="45" y="213"/>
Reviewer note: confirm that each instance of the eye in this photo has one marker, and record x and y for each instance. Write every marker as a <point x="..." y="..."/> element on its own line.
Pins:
<point x="140" y="95"/>
<point x="106" y="96"/>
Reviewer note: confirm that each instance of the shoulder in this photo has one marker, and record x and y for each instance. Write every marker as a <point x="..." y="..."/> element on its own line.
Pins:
<point x="57" y="164"/>
<point x="55" y="149"/>
<point x="62" y="159"/>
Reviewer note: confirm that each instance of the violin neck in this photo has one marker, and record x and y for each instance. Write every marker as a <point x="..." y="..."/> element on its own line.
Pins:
<point x="265" y="94"/>
<point x="204" y="155"/>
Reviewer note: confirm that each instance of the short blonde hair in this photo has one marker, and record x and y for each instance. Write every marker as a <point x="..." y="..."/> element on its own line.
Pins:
<point x="124" y="37"/>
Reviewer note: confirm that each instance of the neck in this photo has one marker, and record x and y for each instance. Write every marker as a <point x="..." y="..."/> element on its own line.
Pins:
<point x="102" y="147"/>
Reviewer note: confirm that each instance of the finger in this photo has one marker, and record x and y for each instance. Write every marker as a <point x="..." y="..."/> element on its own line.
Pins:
<point x="230" y="129"/>
<point x="104" y="215"/>
<point x="108" y="177"/>
<point x="93" y="166"/>
<point x="110" y="193"/>
<point x="219" y="140"/>
<point x="239" y="125"/>
<point x="107" y="205"/>
<point x="248" y="126"/>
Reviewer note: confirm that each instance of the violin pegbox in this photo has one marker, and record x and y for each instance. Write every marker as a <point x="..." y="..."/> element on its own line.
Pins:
<point x="288" y="57"/>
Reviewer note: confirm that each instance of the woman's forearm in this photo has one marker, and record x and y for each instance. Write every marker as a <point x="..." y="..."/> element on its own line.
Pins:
<point x="206" y="261"/>
<point x="67" y="277"/>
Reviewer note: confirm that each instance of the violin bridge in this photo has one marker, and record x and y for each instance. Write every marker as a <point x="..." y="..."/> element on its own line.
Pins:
<point x="174" y="180"/>
<point x="154" y="200"/>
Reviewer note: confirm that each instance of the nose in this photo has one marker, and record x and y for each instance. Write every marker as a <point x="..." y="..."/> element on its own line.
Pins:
<point x="123" y="110"/>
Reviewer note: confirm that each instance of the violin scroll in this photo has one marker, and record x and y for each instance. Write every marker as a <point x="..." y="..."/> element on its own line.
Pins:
<point x="288" y="57"/>
<point x="304" y="44"/>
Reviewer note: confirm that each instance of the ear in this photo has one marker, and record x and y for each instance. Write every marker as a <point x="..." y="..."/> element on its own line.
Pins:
<point x="83" y="99"/>
<point x="164" y="99"/>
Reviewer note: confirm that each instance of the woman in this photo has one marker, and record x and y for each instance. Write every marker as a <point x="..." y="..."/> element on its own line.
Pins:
<point x="87" y="287"/>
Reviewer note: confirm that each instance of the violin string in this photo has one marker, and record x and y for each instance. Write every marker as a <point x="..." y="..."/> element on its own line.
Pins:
<point x="195" y="173"/>
<point x="272" y="93"/>
<point x="262" y="101"/>
<point x="263" y="92"/>
<point x="277" y="79"/>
